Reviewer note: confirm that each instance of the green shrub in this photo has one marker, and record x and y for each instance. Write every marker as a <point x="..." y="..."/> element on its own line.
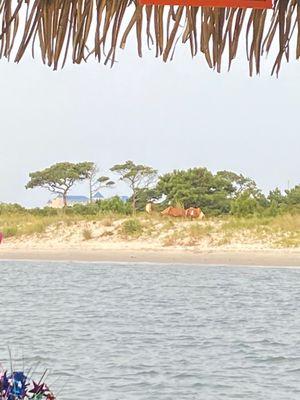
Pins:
<point x="11" y="209"/>
<point x="132" y="227"/>
<point x="114" y="205"/>
<point x="10" y="231"/>
<point x="82" y="209"/>
<point x="45" y="212"/>
<point x="246" y="205"/>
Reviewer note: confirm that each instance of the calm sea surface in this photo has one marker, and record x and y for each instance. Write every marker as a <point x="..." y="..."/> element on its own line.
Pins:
<point x="125" y="332"/>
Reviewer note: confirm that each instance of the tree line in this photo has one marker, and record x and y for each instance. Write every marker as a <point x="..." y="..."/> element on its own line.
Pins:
<point x="223" y="192"/>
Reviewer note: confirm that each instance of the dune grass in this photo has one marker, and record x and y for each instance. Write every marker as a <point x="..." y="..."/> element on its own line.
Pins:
<point x="277" y="232"/>
<point x="22" y="224"/>
<point x="132" y="227"/>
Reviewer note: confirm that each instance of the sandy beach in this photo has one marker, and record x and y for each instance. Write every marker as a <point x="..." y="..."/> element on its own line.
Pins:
<point x="277" y="258"/>
<point x="183" y="242"/>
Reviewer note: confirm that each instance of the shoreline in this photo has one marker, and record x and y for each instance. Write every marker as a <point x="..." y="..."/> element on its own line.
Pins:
<point x="262" y="258"/>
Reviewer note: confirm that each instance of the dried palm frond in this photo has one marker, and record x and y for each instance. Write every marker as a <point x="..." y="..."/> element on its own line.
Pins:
<point x="77" y="29"/>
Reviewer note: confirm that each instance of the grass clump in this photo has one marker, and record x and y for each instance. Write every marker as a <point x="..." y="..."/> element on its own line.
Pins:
<point x="87" y="234"/>
<point x="132" y="227"/>
<point x="199" y="231"/>
<point x="10" y="231"/>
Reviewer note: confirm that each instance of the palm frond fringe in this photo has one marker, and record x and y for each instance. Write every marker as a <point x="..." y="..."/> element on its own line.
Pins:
<point x="79" y="29"/>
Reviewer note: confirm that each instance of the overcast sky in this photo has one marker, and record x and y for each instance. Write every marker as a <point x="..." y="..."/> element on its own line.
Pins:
<point x="175" y="115"/>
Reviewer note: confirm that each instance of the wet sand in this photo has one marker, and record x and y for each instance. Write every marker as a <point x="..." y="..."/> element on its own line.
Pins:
<point x="277" y="258"/>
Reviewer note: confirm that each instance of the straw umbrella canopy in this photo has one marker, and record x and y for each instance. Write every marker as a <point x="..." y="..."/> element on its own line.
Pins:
<point x="75" y="30"/>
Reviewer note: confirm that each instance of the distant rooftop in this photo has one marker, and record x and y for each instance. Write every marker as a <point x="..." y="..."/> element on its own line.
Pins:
<point x="124" y="198"/>
<point x="77" y="199"/>
<point x="98" y="196"/>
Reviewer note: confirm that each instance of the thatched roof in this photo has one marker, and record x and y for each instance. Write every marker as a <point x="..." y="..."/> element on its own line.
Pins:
<point x="75" y="30"/>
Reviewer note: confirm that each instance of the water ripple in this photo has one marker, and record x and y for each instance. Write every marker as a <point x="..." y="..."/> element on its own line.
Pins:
<point x="145" y="332"/>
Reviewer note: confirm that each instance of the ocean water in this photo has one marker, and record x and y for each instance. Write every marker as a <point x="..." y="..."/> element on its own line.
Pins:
<point x="154" y="332"/>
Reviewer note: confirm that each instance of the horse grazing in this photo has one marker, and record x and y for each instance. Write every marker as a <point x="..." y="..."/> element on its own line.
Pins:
<point x="174" y="212"/>
<point x="191" y="212"/>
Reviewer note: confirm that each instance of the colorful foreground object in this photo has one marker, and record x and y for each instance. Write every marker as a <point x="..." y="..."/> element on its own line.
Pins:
<point x="76" y="30"/>
<point x="17" y="386"/>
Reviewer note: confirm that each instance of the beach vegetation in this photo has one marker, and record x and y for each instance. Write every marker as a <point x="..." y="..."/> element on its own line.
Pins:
<point x="147" y="195"/>
<point x="97" y="182"/>
<point x="87" y="234"/>
<point x="114" y="205"/>
<point x="236" y="210"/>
<point x="136" y="176"/>
<point x="132" y="227"/>
<point x="198" y="230"/>
<point x="199" y="187"/>
<point x="10" y="231"/>
<point x="60" y="178"/>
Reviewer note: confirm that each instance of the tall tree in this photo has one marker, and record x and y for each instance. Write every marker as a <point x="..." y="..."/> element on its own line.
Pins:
<point x="293" y="197"/>
<point x="136" y="176"/>
<point x="59" y="178"/>
<point x="238" y="183"/>
<point x="97" y="182"/>
<point x="198" y="187"/>
<point x="186" y="187"/>
<point x="276" y="198"/>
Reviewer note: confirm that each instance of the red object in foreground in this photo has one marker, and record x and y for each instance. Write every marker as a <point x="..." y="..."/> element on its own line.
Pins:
<point x="258" y="4"/>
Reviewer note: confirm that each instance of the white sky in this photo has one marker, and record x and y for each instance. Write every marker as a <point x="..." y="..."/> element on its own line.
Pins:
<point x="175" y="115"/>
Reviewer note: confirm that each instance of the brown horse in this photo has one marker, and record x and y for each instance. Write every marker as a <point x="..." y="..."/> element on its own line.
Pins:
<point x="174" y="212"/>
<point x="191" y="212"/>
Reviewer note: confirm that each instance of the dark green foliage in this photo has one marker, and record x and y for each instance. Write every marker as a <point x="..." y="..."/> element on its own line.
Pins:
<point x="293" y="199"/>
<point x="83" y="209"/>
<point x="60" y="177"/>
<point x="144" y="196"/>
<point x="114" y="205"/>
<point x="45" y="212"/>
<point x="198" y="187"/>
<point x="245" y="205"/>
<point x="277" y="198"/>
<point x="216" y="194"/>
<point x="186" y="187"/>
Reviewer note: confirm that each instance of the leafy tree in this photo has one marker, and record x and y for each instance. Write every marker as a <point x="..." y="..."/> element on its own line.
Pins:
<point x="197" y="187"/>
<point x="186" y="187"/>
<point x="114" y="205"/>
<point x="97" y="182"/>
<point x="59" y="178"/>
<point x="293" y="198"/>
<point x="277" y="201"/>
<point x="136" y="176"/>
<point x="245" y="205"/>
<point x="237" y="183"/>
<point x="144" y="196"/>
<point x="250" y="202"/>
